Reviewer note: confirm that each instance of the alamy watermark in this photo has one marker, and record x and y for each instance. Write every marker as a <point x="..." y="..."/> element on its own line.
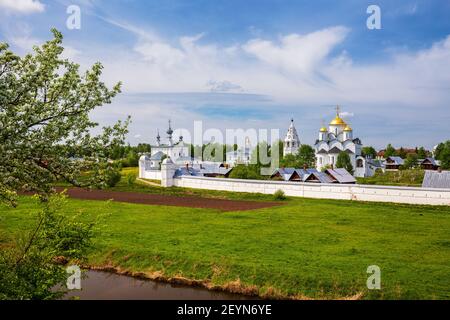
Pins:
<point x="73" y="21"/>
<point x="374" y="280"/>
<point x="374" y="20"/>
<point x="253" y="146"/>
<point x="74" y="279"/>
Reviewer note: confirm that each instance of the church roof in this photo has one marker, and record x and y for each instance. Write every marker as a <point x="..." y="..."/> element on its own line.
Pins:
<point x="338" y="121"/>
<point x="334" y="150"/>
<point x="292" y="134"/>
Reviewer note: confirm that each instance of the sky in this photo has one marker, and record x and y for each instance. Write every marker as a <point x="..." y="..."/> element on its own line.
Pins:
<point x="258" y="63"/>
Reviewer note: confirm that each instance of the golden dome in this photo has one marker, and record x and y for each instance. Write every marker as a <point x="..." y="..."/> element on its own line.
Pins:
<point x="348" y="128"/>
<point x="323" y="129"/>
<point x="338" y="122"/>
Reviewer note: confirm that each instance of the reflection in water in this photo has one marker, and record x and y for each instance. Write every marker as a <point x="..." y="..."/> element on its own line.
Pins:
<point x="108" y="286"/>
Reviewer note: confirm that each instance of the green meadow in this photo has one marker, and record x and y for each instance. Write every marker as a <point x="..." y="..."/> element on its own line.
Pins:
<point x="303" y="248"/>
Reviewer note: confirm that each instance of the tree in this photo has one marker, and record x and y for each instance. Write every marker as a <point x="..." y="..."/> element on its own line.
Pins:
<point x="442" y="154"/>
<point x="369" y="151"/>
<point x="289" y="161"/>
<point x="143" y="148"/>
<point x="422" y="153"/>
<point x="402" y="153"/>
<point x="260" y="155"/>
<point x="306" y="156"/>
<point x="276" y="152"/>
<point x="44" y="119"/>
<point x="411" y="161"/>
<point x="390" y="151"/>
<point x="343" y="161"/>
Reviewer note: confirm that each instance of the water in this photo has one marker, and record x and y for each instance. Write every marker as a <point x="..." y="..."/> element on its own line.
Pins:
<point x="108" y="286"/>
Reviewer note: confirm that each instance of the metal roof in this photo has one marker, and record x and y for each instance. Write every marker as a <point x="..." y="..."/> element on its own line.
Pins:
<point x="285" y="173"/>
<point x="183" y="171"/>
<point x="341" y="175"/>
<point x="157" y="156"/>
<point x="397" y="160"/>
<point x="436" y="179"/>
<point x="432" y="161"/>
<point x="321" y="176"/>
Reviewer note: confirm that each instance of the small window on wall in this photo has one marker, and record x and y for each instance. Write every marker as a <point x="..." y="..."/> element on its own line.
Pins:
<point x="359" y="163"/>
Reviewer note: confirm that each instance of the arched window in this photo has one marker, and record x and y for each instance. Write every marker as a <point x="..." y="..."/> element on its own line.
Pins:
<point x="288" y="144"/>
<point x="360" y="163"/>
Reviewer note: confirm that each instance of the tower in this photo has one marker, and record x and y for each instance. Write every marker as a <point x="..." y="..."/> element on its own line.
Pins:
<point x="323" y="133"/>
<point x="348" y="133"/>
<point x="158" y="139"/>
<point x="291" y="142"/>
<point x="169" y="134"/>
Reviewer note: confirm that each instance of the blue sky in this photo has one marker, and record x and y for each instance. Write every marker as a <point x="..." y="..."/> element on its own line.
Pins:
<point x="256" y="64"/>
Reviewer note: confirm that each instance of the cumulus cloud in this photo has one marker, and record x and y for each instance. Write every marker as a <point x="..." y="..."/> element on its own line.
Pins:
<point x="22" y="6"/>
<point x="297" y="53"/>
<point x="299" y="72"/>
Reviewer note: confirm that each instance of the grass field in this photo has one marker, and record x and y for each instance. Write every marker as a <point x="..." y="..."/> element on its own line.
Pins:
<point x="308" y="247"/>
<point x="409" y="178"/>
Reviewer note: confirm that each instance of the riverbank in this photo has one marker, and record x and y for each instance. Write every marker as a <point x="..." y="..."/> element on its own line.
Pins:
<point x="307" y="248"/>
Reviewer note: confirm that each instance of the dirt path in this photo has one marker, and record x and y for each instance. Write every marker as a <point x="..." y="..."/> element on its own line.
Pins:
<point x="168" y="200"/>
<point x="148" y="182"/>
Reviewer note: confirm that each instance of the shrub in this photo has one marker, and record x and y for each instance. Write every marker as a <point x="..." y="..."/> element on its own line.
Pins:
<point x="113" y="178"/>
<point x="131" y="178"/>
<point x="279" y="195"/>
<point x="246" y="172"/>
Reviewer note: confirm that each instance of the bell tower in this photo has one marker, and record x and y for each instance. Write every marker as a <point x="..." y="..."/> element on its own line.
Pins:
<point x="291" y="142"/>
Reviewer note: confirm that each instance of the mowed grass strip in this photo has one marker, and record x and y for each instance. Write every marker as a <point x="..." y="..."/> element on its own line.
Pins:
<point x="308" y="247"/>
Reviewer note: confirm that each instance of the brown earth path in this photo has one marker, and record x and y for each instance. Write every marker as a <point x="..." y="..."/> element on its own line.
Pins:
<point x="168" y="200"/>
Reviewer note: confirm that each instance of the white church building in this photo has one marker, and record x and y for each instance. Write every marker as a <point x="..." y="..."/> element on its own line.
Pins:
<point x="339" y="137"/>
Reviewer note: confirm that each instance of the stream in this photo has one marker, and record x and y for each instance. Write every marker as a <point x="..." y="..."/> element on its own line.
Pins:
<point x="98" y="285"/>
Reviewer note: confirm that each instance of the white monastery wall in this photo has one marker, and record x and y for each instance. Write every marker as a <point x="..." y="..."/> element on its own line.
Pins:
<point x="323" y="191"/>
<point x="150" y="174"/>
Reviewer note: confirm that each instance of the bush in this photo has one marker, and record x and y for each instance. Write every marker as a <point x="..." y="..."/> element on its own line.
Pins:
<point x="113" y="178"/>
<point x="246" y="172"/>
<point x="131" y="178"/>
<point x="279" y="195"/>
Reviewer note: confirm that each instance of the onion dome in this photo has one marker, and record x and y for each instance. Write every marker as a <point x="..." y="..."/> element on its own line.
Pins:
<point x="348" y="128"/>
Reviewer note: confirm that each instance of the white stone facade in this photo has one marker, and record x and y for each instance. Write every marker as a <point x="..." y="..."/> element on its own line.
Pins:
<point x="291" y="141"/>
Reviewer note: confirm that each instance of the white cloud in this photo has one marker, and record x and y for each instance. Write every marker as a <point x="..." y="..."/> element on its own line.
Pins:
<point x="297" y="71"/>
<point x="297" y="53"/>
<point x="347" y="114"/>
<point x="302" y="69"/>
<point x="22" y="6"/>
<point x="223" y="86"/>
